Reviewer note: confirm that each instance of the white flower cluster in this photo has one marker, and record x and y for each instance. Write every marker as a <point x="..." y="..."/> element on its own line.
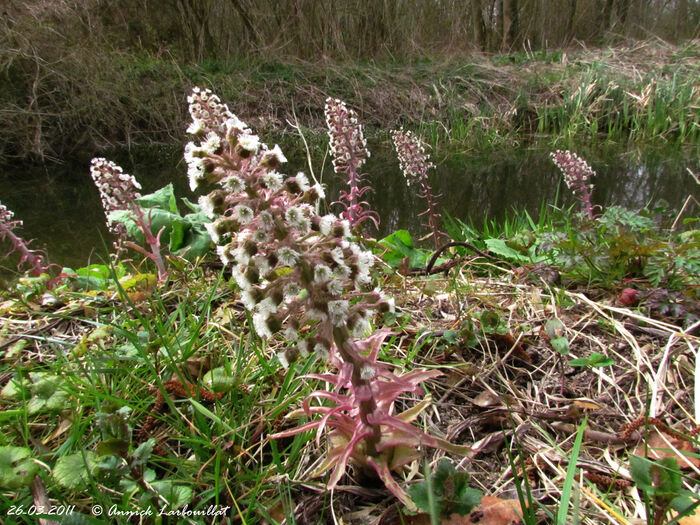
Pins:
<point x="7" y="215"/>
<point x="347" y="141"/>
<point x="118" y="190"/>
<point x="413" y="159"/>
<point x="577" y="172"/>
<point x="295" y="269"/>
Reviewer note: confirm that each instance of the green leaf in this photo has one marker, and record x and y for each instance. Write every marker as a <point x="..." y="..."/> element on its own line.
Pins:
<point x="467" y="500"/>
<point x="668" y="476"/>
<point x="142" y="454"/>
<point x="16" y="388"/>
<point x="400" y="246"/>
<point x="73" y="471"/>
<point x="499" y="247"/>
<point x="163" y="199"/>
<point x="176" y="495"/>
<point x="595" y="359"/>
<point x="16" y="467"/>
<point x="219" y="380"/>
<point x="657" y="478"/>
<point x="113" y="446"/>
<point x="560" y="344"/>
<point x="445" y="469"/>
<point x="47" y="394"/>
<point x="420" y="494"/>
<point x="554" y="328"/>
<point x="491" y="322"/>
<point x="445" y="492"/>
<point x="196" y="241"/>
<point x="640" y="470"/>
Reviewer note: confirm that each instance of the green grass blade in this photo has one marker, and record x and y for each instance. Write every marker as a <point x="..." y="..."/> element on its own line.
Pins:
<point x="570" y="473"/>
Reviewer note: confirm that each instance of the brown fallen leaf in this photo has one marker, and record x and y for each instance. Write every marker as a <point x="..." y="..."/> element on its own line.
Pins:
<point x="491" y="511"/>
<point x="691" y="520"/>
<point x="657" y="447"/>
<point x="488" y="399"/>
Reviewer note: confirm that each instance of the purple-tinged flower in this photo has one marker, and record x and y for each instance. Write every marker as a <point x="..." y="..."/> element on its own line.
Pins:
<point x="577" y="175"/>
<point x="34" y="258"/>
<point x="415" y="163"/>
<point x="349" y="153"/>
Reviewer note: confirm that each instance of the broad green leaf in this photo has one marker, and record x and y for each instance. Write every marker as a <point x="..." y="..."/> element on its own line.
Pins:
<point x="400" y="246"/>
<point x="143" y="280"/>
<point x="445" y="492"/>
<point x="16" y="467"/>
<point x="15" y="388"/>
<point x="467" y="500"/>
<point x="219" y="380"/>
<point x="421" y="496"/>
<point x="499" y="247"/>
<point x="560" y="344"/>
<point x="73" y="471"/>
<point x="163" y="199"/>
<point x="47" y="394"/>
<point x="113" y="446"/>
<point x="555" y="328"/>
<point x="143" y="452"/>
<point x="176" y="495"/>
<point x="196" y="241"/>
<point x="668" y="476"/>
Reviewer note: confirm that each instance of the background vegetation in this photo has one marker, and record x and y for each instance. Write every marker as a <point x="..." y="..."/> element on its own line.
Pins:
<point x="91" y="74"/>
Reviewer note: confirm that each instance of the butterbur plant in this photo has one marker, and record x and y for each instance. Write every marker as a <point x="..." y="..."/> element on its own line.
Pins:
<point x="364" y="427"/>
<point x="415" y="163"/>
<point x="577" y="175"/>
<point x="34" y="259"/>
<point x="301" y="273"/>
<point x="118" y="191"/>
<point x="349" y="153"/>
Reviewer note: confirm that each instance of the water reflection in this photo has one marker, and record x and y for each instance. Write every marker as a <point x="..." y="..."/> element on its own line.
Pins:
<point x="61" y="209"/>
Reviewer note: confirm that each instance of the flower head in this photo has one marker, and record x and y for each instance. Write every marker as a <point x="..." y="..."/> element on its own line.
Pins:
<point x="577" y="175"/>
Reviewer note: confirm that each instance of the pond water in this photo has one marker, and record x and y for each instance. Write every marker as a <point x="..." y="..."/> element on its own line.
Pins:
<point x="61" y="208"/>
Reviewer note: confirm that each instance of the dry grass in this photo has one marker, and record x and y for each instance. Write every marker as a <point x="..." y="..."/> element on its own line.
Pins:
<point x="507" y="390"/>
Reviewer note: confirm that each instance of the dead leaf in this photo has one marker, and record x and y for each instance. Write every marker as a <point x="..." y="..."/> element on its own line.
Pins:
<point x="694" y="519"/>
<point x="137" y="296"/>
<point x="657" y="447"/>
<point x="491" y="511"/>
<point x="487" y="399"/>
<point x="587" y="404"/>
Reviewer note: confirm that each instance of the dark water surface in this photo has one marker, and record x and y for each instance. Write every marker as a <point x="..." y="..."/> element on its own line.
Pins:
<point x="61" y="210"/>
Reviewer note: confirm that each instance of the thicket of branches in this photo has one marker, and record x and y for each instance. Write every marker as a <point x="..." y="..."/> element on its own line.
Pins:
<point x="224" y="29"/>
<point x="63" y="63"/>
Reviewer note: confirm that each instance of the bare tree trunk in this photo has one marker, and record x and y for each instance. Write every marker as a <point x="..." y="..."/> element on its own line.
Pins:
<point x="505" y="24"/>
<point x="250" y="29"/>
<point x="478" y="23"/>
<point x="570" y="21"/>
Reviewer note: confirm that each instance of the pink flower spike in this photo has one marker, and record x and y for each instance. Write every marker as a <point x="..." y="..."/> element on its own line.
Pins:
<point x="34" y="258"/>
<point x="577" y="174"/>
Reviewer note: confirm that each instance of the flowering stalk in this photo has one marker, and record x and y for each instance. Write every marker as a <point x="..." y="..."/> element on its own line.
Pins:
<point x="349" y="152"/>
<point x="34" y="258"/>
<point x="415" y="163"/>
<point x="118" y="191"/>
<point x="577" y="174"/>
<point x="301" y="273"/>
